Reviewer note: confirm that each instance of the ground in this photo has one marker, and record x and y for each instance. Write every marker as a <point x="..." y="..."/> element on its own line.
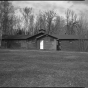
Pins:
<point x="24" y="68"/>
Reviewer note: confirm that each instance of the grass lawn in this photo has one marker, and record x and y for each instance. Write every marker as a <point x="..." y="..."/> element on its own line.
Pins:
<point x="24" y="68"/>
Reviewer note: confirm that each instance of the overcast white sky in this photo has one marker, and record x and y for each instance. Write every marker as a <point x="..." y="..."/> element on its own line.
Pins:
<point x="58" y="6"/>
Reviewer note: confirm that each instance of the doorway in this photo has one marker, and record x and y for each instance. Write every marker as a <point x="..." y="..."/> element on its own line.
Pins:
<point x="41" y="44"/>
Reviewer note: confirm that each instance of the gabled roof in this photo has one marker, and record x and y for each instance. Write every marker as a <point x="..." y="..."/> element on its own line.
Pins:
<point x="15" y="36"/>
<point x="20" y="37"/>
<point x="46" y="35"/>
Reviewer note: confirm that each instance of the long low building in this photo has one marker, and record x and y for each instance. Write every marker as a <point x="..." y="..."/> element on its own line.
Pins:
<point x="44" y="41"/>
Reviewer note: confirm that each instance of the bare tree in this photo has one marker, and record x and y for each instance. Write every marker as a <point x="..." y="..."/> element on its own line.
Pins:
<point x="45" y="21"/>
<point x="7" y="10"/>
<point x="82" y="29"/>
<point x="77" y="25"/>
<point x="28" y="18"/>
<point x="82" y="24"/>
<point x="6" y="18"/>
<point x="71" y="20"/>
<point x="40" y="22"/>
<point x="31" y="26"/>
<point x="59" y="23"/>
<point x="0" y="21"/>
<point x="11" y="25"/>
<point x="49" y="18"/>
<point x="50" y="22"/>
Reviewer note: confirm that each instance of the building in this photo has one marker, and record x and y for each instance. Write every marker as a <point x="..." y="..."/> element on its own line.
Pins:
<point x="38" y="41"/>
<point x="0" y="37"/>
<point x="44" y="41"/>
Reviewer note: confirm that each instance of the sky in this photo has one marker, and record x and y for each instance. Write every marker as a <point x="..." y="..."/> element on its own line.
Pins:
<point x="58" y="6"/>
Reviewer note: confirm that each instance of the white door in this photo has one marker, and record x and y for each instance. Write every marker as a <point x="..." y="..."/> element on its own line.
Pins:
<point x="42" y="44"/>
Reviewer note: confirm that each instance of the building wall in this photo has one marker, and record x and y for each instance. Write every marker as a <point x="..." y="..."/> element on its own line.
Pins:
<point x="49" y="43"/>
<point x="83" y="44"/>
<point x="73" y="45"/>
<point x="25" y="44"/>
<point x="86" y="45"/>
<point x="19" y="44"/>
<point x="54" y="45"/>
<point x="0" y="37"/>
<point x="68" y="45"/>
<point x="0" y="42"/>
<point x="31" y="45"/>
<point x="9" y="44"/>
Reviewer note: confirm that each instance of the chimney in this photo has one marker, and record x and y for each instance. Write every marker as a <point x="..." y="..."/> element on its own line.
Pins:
<point x="42" y="31"/>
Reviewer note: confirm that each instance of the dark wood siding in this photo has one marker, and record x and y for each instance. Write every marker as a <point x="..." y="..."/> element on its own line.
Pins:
<point x="19" y="44"/>
<point x="49" y="43"/>
<point x="69" y="45"/>
<point x="31" y="45"/>
<point x="73" y="45"/>
<point x="10" y="44"/>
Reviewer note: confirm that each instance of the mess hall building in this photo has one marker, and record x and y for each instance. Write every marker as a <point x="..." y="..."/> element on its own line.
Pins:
<point x="44" y="41"/>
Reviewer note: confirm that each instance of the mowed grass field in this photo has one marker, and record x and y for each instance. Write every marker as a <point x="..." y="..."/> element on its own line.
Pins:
<point x="24" y="68"/>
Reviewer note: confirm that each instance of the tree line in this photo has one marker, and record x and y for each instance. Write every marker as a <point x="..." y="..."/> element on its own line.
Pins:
<point x="30" y="23"/>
